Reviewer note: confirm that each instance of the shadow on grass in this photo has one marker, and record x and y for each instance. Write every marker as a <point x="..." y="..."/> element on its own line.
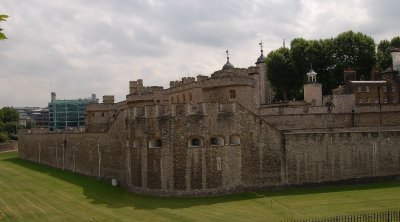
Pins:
<point x="99" y="192"/>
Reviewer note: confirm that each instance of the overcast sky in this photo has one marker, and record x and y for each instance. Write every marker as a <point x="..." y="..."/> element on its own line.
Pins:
<point x="79" y="47"/>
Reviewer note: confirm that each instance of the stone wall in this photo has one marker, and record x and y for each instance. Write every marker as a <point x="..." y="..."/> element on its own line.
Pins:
<point x="175" y="166"/>
<point x="325" y="157"/>
<point x="155" y="154"/>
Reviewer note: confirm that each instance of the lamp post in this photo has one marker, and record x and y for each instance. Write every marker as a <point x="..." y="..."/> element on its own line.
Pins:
<point x="380" y="106"/>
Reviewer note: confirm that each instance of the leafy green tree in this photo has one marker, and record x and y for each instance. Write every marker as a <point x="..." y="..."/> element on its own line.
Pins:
<point x="2" y="18"/>
<point x="8" y="114"/>
<point x="316" y="54"/>
<point x="3" y="137"/>
<point x="355" y="50"/>
<point x="2" y="126"/>
<point x="383" y="57"/>
<point x="282" y="75"/>
<point x="11" y="127"/>
<point x="395" y="42"/>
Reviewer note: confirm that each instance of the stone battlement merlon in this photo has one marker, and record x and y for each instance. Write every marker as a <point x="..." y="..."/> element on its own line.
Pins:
<point x="187" y="80"/>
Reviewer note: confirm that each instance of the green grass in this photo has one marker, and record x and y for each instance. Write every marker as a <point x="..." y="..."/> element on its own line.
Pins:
<point x="33" y="192"/>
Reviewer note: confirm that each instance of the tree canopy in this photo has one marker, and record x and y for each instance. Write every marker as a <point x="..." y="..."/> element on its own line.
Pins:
<point x="383" y="55"/>
<point x="9" y="118"/>
<point x="328" y="57"/>
<point x="2" y="35"/>
<point x="281" y="73"/>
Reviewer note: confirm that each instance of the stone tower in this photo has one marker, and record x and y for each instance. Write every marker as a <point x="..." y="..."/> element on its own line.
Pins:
<point x="264" y="92"/>
<point x="313" y="90"/>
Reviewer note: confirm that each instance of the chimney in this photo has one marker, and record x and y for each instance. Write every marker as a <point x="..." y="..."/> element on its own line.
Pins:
<point x="349" y="74"/>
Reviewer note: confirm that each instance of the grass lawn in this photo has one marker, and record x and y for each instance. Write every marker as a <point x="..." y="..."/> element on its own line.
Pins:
<point x="33" y="192"/>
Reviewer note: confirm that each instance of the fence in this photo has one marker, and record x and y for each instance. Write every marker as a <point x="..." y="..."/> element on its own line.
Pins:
<point x="388" y="216"/>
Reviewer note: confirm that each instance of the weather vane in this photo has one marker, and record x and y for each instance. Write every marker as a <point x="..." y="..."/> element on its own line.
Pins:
<point x="227" y="55"/>
<point x="261" y="45"/>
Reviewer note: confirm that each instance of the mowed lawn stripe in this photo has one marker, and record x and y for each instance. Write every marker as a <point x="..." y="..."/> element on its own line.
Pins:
<point x="34" y="192"/>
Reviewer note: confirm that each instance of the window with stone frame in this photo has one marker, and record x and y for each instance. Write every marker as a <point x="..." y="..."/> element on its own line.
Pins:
<point x="217" y="141"/>
<point x="232" y="94"/>
<point x="360" y="101"/>
<point x="155" y="143"/>
<point x="366" y="88"/>
<point x="234" y="140"/>
<point x="394" y="100"/>
<point x="195" y="142"/>
<point x="393" y="89"/>
<point x="367" y="100"/>
<point x="359" y="89"/>
<point x="377" y="100"/>
<point x="384" y="88"/>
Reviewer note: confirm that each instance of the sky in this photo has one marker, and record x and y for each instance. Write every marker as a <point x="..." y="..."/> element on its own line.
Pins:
<point x="79" y="47"/>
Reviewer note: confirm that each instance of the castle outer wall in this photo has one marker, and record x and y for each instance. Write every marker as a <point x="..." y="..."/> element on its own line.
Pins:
<point x="153" y="153"/>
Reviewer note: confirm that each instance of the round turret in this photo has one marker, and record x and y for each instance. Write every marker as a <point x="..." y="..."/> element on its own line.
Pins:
<point x="227" y="65"/>
<point x="261" y="59"/>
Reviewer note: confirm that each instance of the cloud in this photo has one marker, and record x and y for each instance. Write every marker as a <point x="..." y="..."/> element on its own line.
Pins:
<point x="79" y="47"/>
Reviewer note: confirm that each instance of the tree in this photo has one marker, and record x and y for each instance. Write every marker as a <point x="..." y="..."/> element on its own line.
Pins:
<point x="8" y="114"/>
<point x="2" y="18"/>
<point x="282" y="75"/>
<point x="395" y="42"/>
<point x="8" y="122"/>
<point x="355" y="50"/>
<point x="316" y="54"/>
<point x="383" y="55"/>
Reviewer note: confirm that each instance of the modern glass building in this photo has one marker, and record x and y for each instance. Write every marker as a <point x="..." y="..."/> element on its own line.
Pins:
<point x="68" y="114"/>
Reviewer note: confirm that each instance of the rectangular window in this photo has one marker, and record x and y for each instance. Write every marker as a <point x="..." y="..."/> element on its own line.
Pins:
<point x="385" y="100"/>
<point x="384" y="88"/>
<point x="394" y="100"/>
<point x="359" y="89"/>
<point x="232" y="94"/>
<point x="393" y="89"/>
<point x="102" y="114"/>
<point x="92" y="114"/>
<point x="377" y="100"/>
<point x="367" y="89"/>
<point x="360" y="101"/>
<point x="368" y="101"/>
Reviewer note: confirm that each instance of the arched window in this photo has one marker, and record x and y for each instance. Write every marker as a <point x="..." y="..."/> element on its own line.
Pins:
<point x="195" y="142"/>
<point x="235" y="140"/>
<point x="137" y="143"/>
<point x="155" y="143"/>
<point x="217" y="141"/>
